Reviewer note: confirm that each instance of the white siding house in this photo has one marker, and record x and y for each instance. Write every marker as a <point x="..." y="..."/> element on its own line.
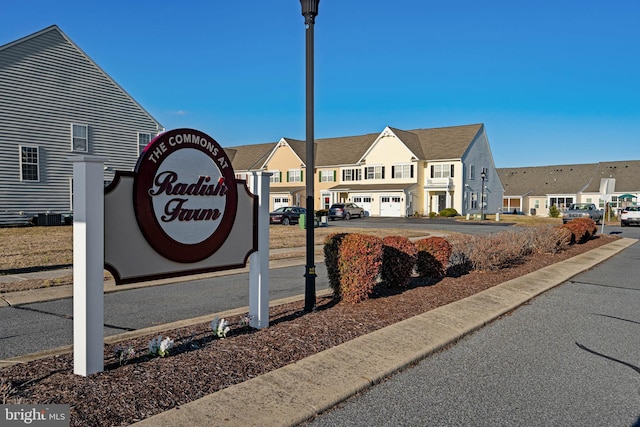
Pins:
<point x="57" y="102"/>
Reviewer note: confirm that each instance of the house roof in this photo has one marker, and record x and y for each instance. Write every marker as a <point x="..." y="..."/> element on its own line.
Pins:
<point x="371" y="187"/>
<point x="446" y="142"/>
<point x="287" y="190"/>
<point x="427" y="144"/>
<point x="626" y="174"/>
<point x="346" y="150"/>
<point x="249" y="157"/>
<point x="544" y="180"/>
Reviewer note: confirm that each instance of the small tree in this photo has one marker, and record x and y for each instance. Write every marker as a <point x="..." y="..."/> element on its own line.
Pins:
<point x="554" y="212"/>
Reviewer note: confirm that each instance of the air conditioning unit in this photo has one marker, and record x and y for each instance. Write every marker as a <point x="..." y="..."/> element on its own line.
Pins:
<point x="47" y="219"/>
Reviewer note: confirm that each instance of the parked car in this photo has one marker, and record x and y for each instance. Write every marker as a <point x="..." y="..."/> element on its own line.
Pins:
<point x="630" y="215"/>
<point x="286" y="215"/>
<point x="345" y="211"/>
<point x="582" y="210"/>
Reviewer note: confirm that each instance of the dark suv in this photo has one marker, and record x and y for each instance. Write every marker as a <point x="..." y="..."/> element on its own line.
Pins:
<point x="345" y="211"/>
<point x="286" y="215"/>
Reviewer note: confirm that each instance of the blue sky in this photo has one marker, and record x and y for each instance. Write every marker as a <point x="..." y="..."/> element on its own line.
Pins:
<point x="555" y="82"/>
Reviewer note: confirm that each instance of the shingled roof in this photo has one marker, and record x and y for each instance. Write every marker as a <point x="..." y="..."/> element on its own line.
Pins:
<point x="447" y="142"/>
<point x="346" y="150"/>
<point x="249" y="157"/>
<point x="543" y="180"/>
<point x="626" y="174"/>
<point x="427" y="144"/>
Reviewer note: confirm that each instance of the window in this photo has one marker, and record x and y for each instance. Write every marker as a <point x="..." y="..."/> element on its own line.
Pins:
<point x="472" y="172"/>
<point x="473" y="201"/>
<point x="536" y="204"/>
<point x="374" y="172"/>
<point x="143" y="140"/>
<point x="29" y="163"/>
<point x="294" y="175"/>
<point x="402" y="171"/>
<point x="327" y="176"/>
<point x="79" y="138"/>
<point x="351" y="174"/>
<point x="443" y="170"/>
<point x="276" y="177"/>
<point x="561" y="202"/>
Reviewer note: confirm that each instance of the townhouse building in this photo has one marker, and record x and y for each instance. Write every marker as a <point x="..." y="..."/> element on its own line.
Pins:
<point x="533" y="190"/>
<point x="391" y="173"/>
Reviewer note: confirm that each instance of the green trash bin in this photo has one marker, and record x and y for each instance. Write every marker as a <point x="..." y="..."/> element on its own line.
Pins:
<point x="303" y="221"/>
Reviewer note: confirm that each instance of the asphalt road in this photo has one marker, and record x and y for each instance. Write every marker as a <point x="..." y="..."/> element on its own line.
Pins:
<point x="571" y="357"/>
<point x="40" y="326"/>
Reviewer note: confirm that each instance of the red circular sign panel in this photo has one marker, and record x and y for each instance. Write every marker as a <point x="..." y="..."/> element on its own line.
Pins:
<point x="185" y="195"/>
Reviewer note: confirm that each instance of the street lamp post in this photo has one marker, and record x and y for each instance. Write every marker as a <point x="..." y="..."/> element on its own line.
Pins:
<point x="483" y="175"/>
<point x="310" y="11"/>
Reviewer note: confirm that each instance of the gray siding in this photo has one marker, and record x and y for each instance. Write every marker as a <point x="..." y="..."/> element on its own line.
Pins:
<point x="46" y="84"/>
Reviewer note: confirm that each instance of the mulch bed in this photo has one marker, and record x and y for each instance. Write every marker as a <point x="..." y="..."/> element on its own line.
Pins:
<point x="201" y="364"/>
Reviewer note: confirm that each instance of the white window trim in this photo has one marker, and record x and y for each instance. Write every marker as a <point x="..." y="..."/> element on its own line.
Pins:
<point x="399" y="171"/>
<point x="73" y="138"/>
<point x="275" y="176"/>
<point x="327" y="176"/>
<point x="37" y="164"/>
<point x="376" y="169"/>
<point x="140" y="145"/>
<point x="295" y="175"/>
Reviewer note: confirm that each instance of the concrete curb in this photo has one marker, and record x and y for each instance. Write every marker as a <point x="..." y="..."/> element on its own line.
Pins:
<point x="298" y="392"/>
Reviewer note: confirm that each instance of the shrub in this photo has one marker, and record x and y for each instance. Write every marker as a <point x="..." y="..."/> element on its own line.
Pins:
<point x="589" y="224"/>
<point x="496" y="251"/>
<point x="399" y="257"/>
<point x="554" y="212"/>
<point x="331" y="255"/>
<point x="432" y="214"/>
<point x="582" y="229"/>
<point x="448" y="212"/>
<point x="551" y="239"/>
<point x="433" y="256"/>
<point x="359" y="265"/>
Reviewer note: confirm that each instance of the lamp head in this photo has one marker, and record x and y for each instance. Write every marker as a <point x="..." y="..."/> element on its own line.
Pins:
<point x="309" y="11"/>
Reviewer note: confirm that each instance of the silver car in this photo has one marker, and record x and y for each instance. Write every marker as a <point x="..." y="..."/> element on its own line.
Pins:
<point x="345" y="211"/>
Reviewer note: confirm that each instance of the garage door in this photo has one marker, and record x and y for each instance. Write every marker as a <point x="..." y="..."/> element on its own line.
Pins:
<point x="390" y="206"/>
<point x="279" y="202"/>
<point x="364" y="202"/>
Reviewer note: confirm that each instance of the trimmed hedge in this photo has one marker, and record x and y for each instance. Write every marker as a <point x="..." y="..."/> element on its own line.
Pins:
<point x="433" y="256"/>
<point x="331" y="255"/>
<point x="359" y="265"/>
<point x="582" y="229"/>
<point x="399" y="258"/>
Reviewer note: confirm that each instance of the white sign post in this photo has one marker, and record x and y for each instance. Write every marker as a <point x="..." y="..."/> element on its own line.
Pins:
<point x="259" y="261"/>
<point x="88" y="264"/>
<point x="607" y="187"/>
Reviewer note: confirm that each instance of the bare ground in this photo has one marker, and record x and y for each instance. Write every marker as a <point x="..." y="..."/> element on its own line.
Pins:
<point x="201" y="364"/>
